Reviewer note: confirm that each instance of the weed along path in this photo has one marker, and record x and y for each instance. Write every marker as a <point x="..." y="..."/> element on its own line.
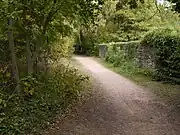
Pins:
<point x="118" y="107"/>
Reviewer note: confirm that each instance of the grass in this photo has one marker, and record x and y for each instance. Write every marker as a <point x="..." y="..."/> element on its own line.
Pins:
<point x="168" y="92"/>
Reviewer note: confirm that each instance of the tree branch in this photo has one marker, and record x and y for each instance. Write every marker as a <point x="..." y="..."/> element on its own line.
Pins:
<point x="50" y="16"/>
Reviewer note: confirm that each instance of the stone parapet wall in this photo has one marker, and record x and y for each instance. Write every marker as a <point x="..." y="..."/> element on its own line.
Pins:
<point x="144" y="56"/>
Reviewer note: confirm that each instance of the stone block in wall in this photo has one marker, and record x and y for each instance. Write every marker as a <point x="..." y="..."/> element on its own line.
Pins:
<point x="146" y="57"/>
<point x="143" y="56"/>
<point x="128" y="48"/>
<point x="102" y="50"/>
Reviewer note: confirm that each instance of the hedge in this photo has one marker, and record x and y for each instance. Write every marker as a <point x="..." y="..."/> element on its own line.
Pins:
<point x="167" y="45"/>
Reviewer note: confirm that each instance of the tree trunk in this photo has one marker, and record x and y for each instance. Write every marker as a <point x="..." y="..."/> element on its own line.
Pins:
<point x="13" y="55"/>
<point x="80" y="49"/>
<point x="39" y="43"/>
<point x="28" y="57"/>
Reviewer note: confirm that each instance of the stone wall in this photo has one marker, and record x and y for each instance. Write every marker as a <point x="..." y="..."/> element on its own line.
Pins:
<point x="144" y="56"/>
<point x="102" y="50"/>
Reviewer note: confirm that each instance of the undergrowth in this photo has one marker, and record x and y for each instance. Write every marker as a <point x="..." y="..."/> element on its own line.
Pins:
<point x="43" y="96"/>
<point x="167" y="44"/>
<point x="125" y="65"/>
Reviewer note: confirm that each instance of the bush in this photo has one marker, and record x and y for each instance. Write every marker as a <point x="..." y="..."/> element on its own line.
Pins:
<point x="116" y="56"/>
<point x="63" y="47"/>
<point x="87" y="46"/>
<point x="167" y="44"/>
<point x="122" y="55"/>
<point x="43" y="96"/>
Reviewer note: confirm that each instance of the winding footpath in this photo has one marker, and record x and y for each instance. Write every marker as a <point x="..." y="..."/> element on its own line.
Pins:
<point x="118" y="107"/>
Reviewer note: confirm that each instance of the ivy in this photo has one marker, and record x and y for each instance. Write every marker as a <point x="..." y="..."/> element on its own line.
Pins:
<point x="167" y="44"/>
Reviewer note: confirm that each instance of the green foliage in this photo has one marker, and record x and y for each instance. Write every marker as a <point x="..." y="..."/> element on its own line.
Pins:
<point x="29" y="85"/>
<point x="41" y="32"/>
<point x="37" y="34"/>
<point x="86" y="42"/>
<point x="43" y="98"/>
<point x="4" y="73"/>
<point x="129" y="20"/>
<point x="128" y="24"/>
<point x="167" y="44"/>
<point x="62" y="47"/>
<point x="3" y="51"/>
<point x="89" y="47"/>
<point x="177" y="5"/>
<point x="39" y="23"/>
<point x="117" y="57"/>
<point x="122" y="56"/>
<point x="114" y="25"/>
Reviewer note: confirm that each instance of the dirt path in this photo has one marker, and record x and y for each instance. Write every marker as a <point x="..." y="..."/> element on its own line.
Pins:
<point x="118" y="107"/>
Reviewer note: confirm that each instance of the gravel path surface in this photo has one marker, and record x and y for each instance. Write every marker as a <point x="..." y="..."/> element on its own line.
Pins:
<point x="118" y="107"/>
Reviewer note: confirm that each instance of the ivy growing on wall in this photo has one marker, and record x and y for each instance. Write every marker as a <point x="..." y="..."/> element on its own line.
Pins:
<point x="167" y="44"/>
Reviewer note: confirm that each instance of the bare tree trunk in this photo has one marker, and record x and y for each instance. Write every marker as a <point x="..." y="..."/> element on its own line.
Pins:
<point x="28" y="56"/>
<point x="13" y="55"/>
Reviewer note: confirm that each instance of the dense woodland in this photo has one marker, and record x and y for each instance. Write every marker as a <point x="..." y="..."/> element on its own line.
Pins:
<point x="35" y="35"/>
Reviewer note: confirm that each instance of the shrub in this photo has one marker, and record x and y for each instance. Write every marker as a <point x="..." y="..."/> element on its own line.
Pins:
<point x="167" y="44"/>
<point x="63" y="47"/>
<point x="122" y="55"/>
<point x="87" y="46"/>
<point x="43" y="97"/>
<point x="116" y="56"/>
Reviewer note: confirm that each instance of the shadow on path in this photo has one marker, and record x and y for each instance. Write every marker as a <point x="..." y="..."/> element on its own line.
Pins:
<point x="117" y="107"/>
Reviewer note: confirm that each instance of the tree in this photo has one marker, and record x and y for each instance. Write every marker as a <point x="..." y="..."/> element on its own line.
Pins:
<point x="34" y="25"/>
<point x="15" y="70"/>
<point x="177" y="6"/>
<point x="131" y="3"/>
